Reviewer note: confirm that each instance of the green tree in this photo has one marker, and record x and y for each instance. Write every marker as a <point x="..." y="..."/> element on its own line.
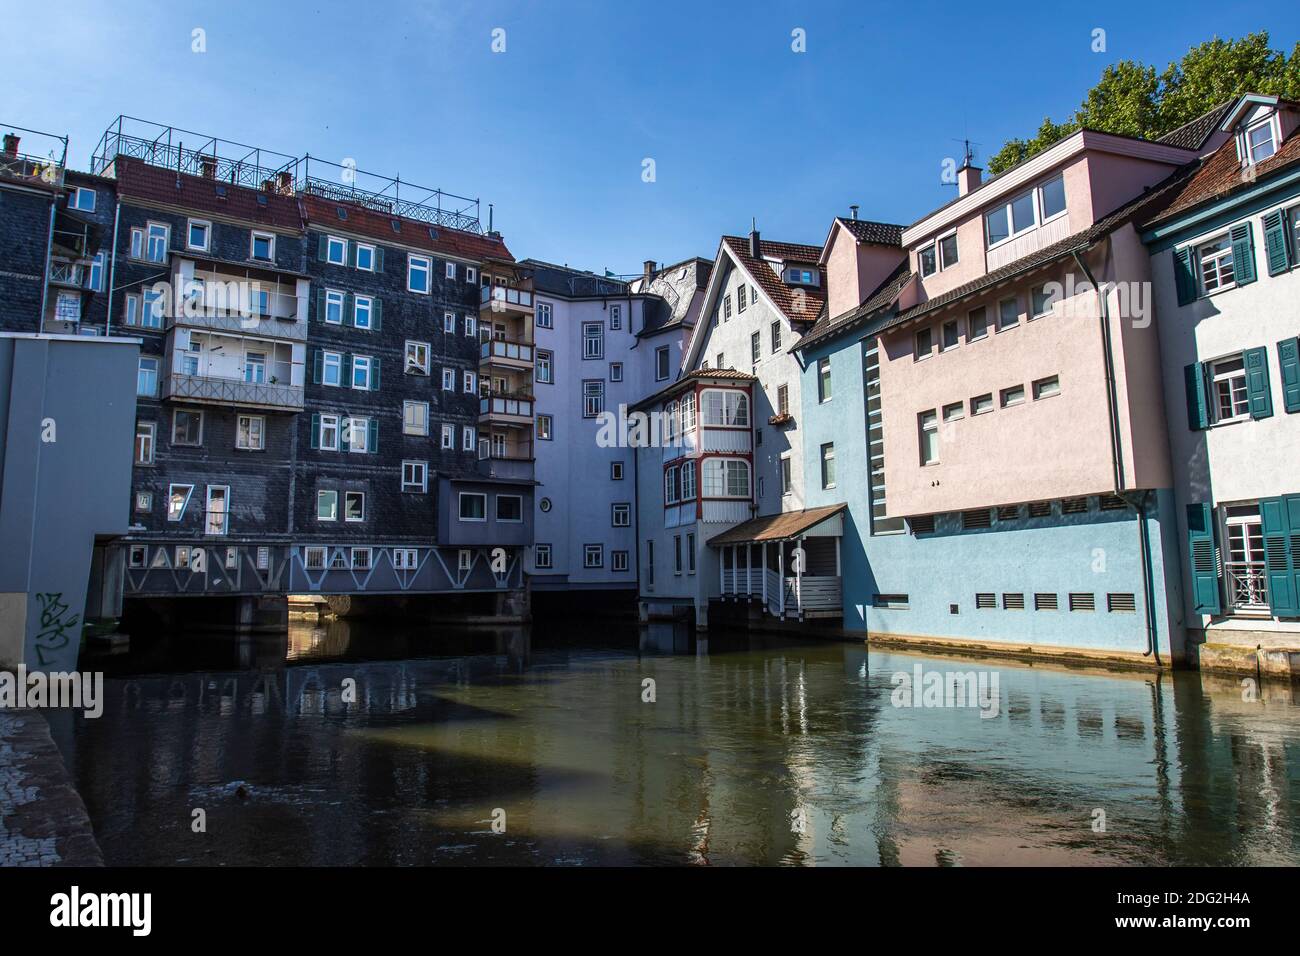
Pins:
<point x="1131" y="99"/>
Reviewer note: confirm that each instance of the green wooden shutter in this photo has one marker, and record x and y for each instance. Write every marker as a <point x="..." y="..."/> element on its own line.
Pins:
<point x="345" y="433"/>
<point x="352" y="254"/>
<point x="1243" y="253"/>
<point x="315" y="430"/>
<point x="1203" y="558"/>
<point x="349" y="309"/>
<point x="374" y="374"/>
<point x="320" y="305"/>
<point x="379" y="258"/>
<point x="323" y="248"/>
<point x="347" y="370"/>
<point x="318" y="367"/>
<point x="1198" y="409"/>
<point x="1184" y="280"/>
<point x="1288" y="363"/>
<point x="1275" y="246"/>
<point x="1258" y="394"/>
<point x="376" y="315"/>
<point x="1281" y="525"/>
<point x="372" y="445"/>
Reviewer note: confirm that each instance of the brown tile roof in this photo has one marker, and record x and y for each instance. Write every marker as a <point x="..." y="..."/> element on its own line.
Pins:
<point x="882" y="298"/>
<point x="323" y="214"/>
<point x="796" y="309"/>
<point x="789" y="524"/>
<point x="139" y="180"/>
<point x="1221" y="174"/>
<point x="1192" y="135"/>
<point x="880" y="233"/>
<point x="700" y="374"/>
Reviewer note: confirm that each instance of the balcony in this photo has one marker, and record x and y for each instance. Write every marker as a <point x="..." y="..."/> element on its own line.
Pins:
<point x="218" y="390"/>
<point x="506" y="353"/>
<point x="69" y="274"/>
<point x="31" y="170"/>
<point x="506" y="299"/>
<point x="212" y="302"/>
<point x="509" y="407"/>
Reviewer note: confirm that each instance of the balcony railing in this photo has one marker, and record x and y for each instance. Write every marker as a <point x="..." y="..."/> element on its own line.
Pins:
<point x="232" y="391"/>
<point x="497" y="404"/>
<point x="1247" y="585"/>
<point x="505" y="349"/>
<point x="31" y="169"/>
<point x="68" y="273"/>
<point x="501" y="297"/>
<point x="223" y="306"/>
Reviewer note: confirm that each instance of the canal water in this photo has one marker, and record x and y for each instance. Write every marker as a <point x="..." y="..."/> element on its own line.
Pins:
<point x="599" y="743"/>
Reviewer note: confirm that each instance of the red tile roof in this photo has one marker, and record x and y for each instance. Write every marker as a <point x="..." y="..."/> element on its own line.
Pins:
<point x="323" y="214"/>
<point x="139" y="180"/>
<point x="797" y="307"/>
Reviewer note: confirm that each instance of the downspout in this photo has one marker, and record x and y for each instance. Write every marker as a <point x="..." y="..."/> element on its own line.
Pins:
<point x="112" y="266"/>
<point x="49" y="251"/>
<point x="1117" y="470"/>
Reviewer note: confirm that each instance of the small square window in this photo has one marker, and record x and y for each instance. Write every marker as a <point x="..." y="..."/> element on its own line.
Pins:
<point x="616" y="471"/>
<point x="327" y="505"/>
<point x="263" y="246"/>
<point x="1047" y="387"/>
<point x="1015" y="395"/>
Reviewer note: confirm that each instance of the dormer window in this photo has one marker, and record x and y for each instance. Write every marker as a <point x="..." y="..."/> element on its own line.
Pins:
<point x="937" y="255"/>
<point x="1024" y="212"/>
<point x="797" y="275"/>
<point x="1260" y="144"/>
<point x="926" y="263"/>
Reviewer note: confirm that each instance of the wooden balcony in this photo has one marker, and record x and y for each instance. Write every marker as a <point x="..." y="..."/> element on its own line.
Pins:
<point x="211" y="389"/>
<point x="505" y="300"/>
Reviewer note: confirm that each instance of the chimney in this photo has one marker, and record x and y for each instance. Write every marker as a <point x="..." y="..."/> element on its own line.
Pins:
<point x="853" y="211"/>
<point x="208" y="167"/>
<point x="284" y="182"/>
<point x="754" y="244"/>
<point x="649" y="269"/>
<point x="968" y="178"/>
<point x="11" y="144"/>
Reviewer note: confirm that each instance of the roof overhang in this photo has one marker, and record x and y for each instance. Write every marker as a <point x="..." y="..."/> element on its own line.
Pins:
<point x="820" y="522"/>
<point x="1248" y="102"/>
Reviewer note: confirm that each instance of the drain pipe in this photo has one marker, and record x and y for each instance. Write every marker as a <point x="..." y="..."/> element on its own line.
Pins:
<point x="49" y="251"/>
<point x="112" y="264"/>
<point x="1135" y="501"/>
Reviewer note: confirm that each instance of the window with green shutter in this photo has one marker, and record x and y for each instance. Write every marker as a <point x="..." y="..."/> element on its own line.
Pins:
<point x="315" y="430"/>
<point x="1203" y="559"/>
<point x="1280" y="520"/>
<point x="1258" y="394"/>
<point x="1275" y="243"/>
<point x="372" y="444"/>
<point x="1243" y="253"/>
<point x="1288" y="363"/>
<point x="1198" y="412"/>
<point x="1184" y="278"/>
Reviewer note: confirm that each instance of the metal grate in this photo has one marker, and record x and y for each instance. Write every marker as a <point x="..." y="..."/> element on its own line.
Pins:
<point x="1013" y="602"/>
<point x="986" y="600"/>
<point x="1074" y="506"/>
<point x="1120" y="602"/>
<point x="1040" y="509"/>
<point x="1082" y="602"/>
<point x="979" y="518"/>
<point x="1045" y="602"/>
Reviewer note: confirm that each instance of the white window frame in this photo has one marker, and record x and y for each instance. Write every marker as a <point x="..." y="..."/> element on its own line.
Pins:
<point x="330" y="243"/>
<point x="419" y="265"/>
<point x="359" y="425"/>
<point x="261" y="432"/>
<point x="593" y="340"/>
<point x="1229" y="378"/>
<point x="542" y="557"/>
<point x="74" y="199"/>
<point x="255" y="235"/>
<point x="621" y="509"/>
<point x="927" y="424"/>
<point x="366" y="302"/>
<point x="334" y="297"/>
<point x="616" y="371"/>
<point x="374" y="255"/>
<point x="178" y="514"/>
<point x="545" y="367"/>
<point x="468" y="438"/>
<point x="417" y="424"/>
<point x="1217" y="260"/>
<point x="150" y="435"/>
<point x="207" y="234"/>
<point x="362" y="365"/>
<point x="414" y="364"/>
<point x="449" y="322"/>
<point x="469" y="382"/>
<point x="724" y="476"/>
<point x="451" y="270"/>
<point x="416" y="469"/>
<point x="593" y="556"/>
<point x="328" y="496"/>
<point x="593" y="397"/>
<point x="545" y="317"/>
<point x="326" y="364"/>
<point x="354" y="495"/>
<point x="545" y="428"/>
<point x="448" y="439"/>
<point x="460" y="506"/>
<point x="449" y="380"/>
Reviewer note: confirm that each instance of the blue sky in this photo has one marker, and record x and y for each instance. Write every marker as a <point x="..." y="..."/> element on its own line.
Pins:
<point x="554" y="130"/>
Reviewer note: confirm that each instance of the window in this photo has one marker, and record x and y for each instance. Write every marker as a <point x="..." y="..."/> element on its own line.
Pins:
<point x="1259" y="141"/>
<point x="593" y="398"/>
<point x="544" y="319"/>
<point x="451" y="270"/>
<point x="262" y="247"/>
<point x="361" y="372"/>
<point x="415" y="418"/>
<point x="144" y="442"/>
<point x="1047" y="387"/>
<point x="178" y="497"/>
<point x="677" y="554"/>
<point x="687" y="412"/>
<point x="336" y="251"/>
<point x="616" y="317"/>
<point x="362" y="311"/>
<point x="670" y="485"/>
<point x="157" y="237"/>
<point x="255" y="368"/>
<point x="929" y="424"/>
<point x="690" y="553"/>
<point x="333" y="307"/>
<point x="1051" y="198"/>
<point x="783" y="399"/>
<point x="661" y="363"/>
<point x="824" y="390"/>
<point x="415" y="476"/>
<point x="417" y="274"/>
<point x="1022" y="213"/>
<point x="218" y="510"/>
<point x="545" y="426"/>
<point x="786" y="474"/>
<point x="620" y="560"/>
<point x="138" y="555"/>
<point x="331" y="368"/>
<point x="448" y="436"/>
<point x="449" y="380"/>
<point x="510" y="508"/>
<point x="923" y="344"/>
<point x="927" y="262"/>
<point x="545" y="367"/>
<point x="361" y="559"/>
<point x="740" y="299"/>
<point x="593" y="555"/>
<point x="250" y="432"/>
<point x="1041" y="301"/>
<point x="954" y="412"/>
<point x="365" y="257"/>
<point x="406" y="559"/>
<point x="417" y="358"/>
<point x="776" y="337"/>
<point x="82" y="199"/>
<point x="328" y="434"/>
<point x="354" y="506"/>
<point x="977" y="324"/>
<point x="616" y="371"/>
<point x="755" y="350"/>
<point x="593" y="340"/>
<point x="726" y="307"/>
<point x="198" y="235"/>
<point x="1216" y="267"/>
<point x="981" y="404"/>
<point x="949" y="335"/>
<point x="449" y="322"/>
<point x="948" y="251"/>
<point x="327" y="506"/>
<point x="97" y="273"/>
<point x="1008" y="313"/>
<point x="187" y="427"/>
<point x="615" y="471"/>
<point x="725" y="478"/>
<point x="469" y="441"/>
<point x="687" y="475"/>
<point x="801" y="276"/>
<point x="313" y="559"/>
<point x="146" y="379"/>
<point x="358" y="434"/>
<point x="620" y="515"/>
<point x="726" y="408"/>
<point x="1015" y="395"/>
<point x="1228" y="381"/>
<point x="470" y="326"/>
<point x="828" y="465"/>
<point x="473" y="506"/>
<point x="469" y="382"/>
<point x="722" y="360"/>
<point x="542" y="557"/>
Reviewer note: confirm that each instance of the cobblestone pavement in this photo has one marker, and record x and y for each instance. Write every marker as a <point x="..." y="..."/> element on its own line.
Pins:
<point x="43" y="821"/>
